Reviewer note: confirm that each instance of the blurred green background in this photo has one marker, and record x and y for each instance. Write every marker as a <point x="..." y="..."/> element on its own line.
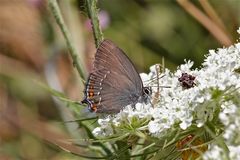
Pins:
<point x="32" y="49"/>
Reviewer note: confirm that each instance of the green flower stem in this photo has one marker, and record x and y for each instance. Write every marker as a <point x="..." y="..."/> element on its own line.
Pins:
<point x="145" y="148"/>
<point x="54" y="8"/>
<point x="91" y="6"/>
<point x="219" y="140"/>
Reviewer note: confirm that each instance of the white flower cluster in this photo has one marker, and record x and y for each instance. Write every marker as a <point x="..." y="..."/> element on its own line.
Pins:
<point x="128" y="119"/>
<point x="183" y="103"/>
<point x="216" y="152"/>
<point x="198" y="103"/>
<point x="230" y="117"/>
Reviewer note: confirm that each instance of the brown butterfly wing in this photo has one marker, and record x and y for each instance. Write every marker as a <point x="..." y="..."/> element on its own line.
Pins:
<point x="114" y="82"/>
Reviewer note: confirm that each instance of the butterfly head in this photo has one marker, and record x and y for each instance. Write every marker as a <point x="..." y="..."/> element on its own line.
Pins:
<point x="147" y="92"/>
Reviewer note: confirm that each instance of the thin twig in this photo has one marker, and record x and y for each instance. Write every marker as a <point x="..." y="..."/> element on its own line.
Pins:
<point x="91" y="6"/>
<point x="213" y="15"/>
<point x="54" y="8"/>
<point x="206" y="22"/>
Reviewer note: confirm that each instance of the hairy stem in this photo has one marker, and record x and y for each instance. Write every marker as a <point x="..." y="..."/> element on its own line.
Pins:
<point x="54" y="8"/>
<point x="91" y="6"/>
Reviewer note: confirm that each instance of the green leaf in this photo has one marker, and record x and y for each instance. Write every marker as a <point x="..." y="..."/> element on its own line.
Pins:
<point x="122" y="152"/>
<point x="113" y="138"/>
<point x="74" y="105"/>
<point x="54" y="92"/>
<point x="82" y="120"/>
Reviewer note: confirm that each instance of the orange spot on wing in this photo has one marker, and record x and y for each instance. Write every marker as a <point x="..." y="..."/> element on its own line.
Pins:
<point x="91" y="94"/>
<point x="94" y="107"/>
<point x="91" y="91"/>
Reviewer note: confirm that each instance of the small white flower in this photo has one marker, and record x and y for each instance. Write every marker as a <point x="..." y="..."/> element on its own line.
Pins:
<point x="234" y="152"/>
<point x="213" y="153"/>
<point x="103" y="131"/>
<point x="186" y="68"/>
<point x="184" y="125"/>
<point x="104" y="122"/>
<point x="238" y="30"/>
<point x="145" y="78"/>
<point x="153" y="126"/>
<point x="97" y="131"/>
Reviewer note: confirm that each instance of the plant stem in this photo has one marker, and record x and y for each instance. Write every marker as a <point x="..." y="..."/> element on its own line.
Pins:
<point x="91" y="6"/>
<point x="54" y="8"/>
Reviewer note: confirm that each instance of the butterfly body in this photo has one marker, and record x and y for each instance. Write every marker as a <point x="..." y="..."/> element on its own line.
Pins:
<point x="114" y="82"/>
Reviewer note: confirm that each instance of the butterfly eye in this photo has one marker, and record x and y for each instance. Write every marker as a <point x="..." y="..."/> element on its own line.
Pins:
<point x="147" y="90"/>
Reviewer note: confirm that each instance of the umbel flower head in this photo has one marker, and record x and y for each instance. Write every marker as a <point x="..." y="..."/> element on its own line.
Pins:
<point x="203" y="99"/>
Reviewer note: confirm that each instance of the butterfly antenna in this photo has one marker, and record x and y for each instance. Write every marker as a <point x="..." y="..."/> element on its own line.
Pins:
<point x="154" y="78"/>
<point x="162" y="86"/>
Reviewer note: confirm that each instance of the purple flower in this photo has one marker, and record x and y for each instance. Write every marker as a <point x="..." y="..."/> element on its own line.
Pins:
<point x="36" y="3"/>
<point x="104" y="20"/>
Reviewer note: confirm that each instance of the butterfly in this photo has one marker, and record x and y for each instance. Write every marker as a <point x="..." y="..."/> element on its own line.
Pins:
<point x="114" y="82"/>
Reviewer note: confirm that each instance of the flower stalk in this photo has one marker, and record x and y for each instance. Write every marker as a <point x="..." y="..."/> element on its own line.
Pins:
<point x="92" y="11"/>
<point x="54" y="8"/>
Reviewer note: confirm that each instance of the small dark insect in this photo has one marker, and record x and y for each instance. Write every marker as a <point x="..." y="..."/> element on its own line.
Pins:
<point x="114" y="82"/>
<point x="187" y="80"/>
